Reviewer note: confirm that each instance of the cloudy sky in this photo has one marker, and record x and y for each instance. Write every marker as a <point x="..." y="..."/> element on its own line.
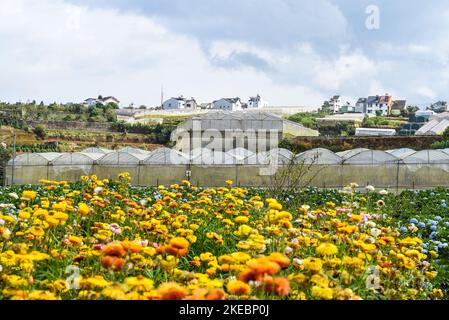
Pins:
<point x="292" y="52"/>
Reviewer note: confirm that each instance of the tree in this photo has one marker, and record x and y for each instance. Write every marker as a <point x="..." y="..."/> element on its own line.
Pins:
<point x="40" y="132"/>
<point x="326" y="107"/>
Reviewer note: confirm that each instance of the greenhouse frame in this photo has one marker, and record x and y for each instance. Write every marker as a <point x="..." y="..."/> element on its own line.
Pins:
<point x="397" y="168"/>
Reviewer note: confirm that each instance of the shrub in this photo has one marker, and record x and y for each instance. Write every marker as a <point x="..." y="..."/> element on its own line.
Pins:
<point x="40" y="132"/>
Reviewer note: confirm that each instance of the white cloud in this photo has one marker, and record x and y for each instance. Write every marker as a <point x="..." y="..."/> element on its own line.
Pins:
<point x="50" y="50"/>
<point x="426" y="92"/>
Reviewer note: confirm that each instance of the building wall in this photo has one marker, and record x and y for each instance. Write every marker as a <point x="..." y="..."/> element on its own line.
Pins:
<point x="174" y="104"/>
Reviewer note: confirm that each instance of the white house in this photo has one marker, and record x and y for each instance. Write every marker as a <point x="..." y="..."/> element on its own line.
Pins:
<point x="230" y="104"/>
<point x="90" y="102"/>
<point x="108" y="100"/>
<point x="335" y="104"/>
<point x="174" y="103"/>
<point x="256" y="102"/>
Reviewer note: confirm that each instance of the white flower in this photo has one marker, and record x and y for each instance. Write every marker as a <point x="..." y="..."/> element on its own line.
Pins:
<point x="305" y="207"/>
<point x="13" y="195"/>
<point x="143" y="202"/>
<point x="297" y="261"/>
<point x="370" y="188"/>
<point x="383" y="192"/>
<point x="375" y="232"/>
<point x="97" y="190"/>
<point x="288" y="250"/>
<point x="1" y="268"/>
<point x="353" y="185"/>
<point x="312" y="216"/>
<point x="2" y="222"/>
<point x="262" y="250"/>
<point x="370" y="224"/>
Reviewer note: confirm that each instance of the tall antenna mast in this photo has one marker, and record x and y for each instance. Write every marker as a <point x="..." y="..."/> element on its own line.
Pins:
<point x="162" y="95"/>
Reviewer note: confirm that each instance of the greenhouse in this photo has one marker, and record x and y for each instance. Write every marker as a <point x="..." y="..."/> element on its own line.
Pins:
<point x="209" y="157"/>
<point x="318" y="156"/>
<point x="97" y="150"/>
<point x="164" y="156"/>
<point x="240" y="154"/>
<point x="401" y="153"/>
<point x="204" y="167"/>
<point x="134" y="151"/>
<point x="77" y="158"/>
<point x="371" y="157"/>
<point x="427" y="156"/>
<point x="120" y="158"/>
<point x="349" y="153"/>
<point x="70" y="166"/>
<point x="274" y="156"/>
<point x="34" y="159"/>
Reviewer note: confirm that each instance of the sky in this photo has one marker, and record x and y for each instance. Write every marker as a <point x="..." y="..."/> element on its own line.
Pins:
<point x="291" y="52"/>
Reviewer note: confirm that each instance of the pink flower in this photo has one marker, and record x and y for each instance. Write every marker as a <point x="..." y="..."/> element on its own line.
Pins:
<point x="155" y="245"/>
<point x="115" y="228"/>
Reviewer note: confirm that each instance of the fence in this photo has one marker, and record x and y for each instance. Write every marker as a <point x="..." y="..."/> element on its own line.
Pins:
<point x="393" y="176"/>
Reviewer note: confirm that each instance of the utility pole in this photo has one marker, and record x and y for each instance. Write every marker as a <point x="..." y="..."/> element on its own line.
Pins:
<point x="13" y="158"/>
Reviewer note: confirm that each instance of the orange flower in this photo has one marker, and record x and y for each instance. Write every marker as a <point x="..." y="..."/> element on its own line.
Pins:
<point x="280" y="259"/>
<point x="114" y="249"/>
<point x="132" y="246"/>
<point x="264" y="266"/>
<point x="112" y="262"/>
<point x="279" y="286"/>
<point x="172" y="291"/>
<point x="179" y="243"/>
<point x="175" y="252"/>
<point x="216" y="294"/>
<point x="238" y="287"/>
<point x="177" y="247"/>
<point x="198" y="294"/>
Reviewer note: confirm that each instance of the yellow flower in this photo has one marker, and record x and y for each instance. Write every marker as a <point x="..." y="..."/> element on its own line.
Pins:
<point x="237" y="287"/>
<point x="229" y="182"/>
<point x="139" y="283"/>
<point x="327" y="249"/>
<point x="83" y="209"/>
<point x="29" y="195"/>
<point x="312" y="264"/>
<point x="241" y="219"/>
<point x="24" y="215"/>
<point x="322" y="293"/>
<point x="42" y="295"/>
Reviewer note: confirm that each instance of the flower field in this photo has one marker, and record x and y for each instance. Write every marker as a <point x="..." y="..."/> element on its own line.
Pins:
<point x="99" y="239"/>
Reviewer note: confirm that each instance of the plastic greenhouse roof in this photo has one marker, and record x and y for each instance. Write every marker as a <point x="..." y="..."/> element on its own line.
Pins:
<point x="34" y="159"/>
<point x="372" y="157"/>
<point x="96" y="150"/>
<point x="349" y="153"/>
<point x="122" y="158"/>
<point x="278" y="155"/>
<point x="318" y="156"/>
<point x="134" y="150"/>
<point x="166" y="156"/>
<point x="213" y="157"/>
<point x="401" y="153"/>
<point x="240" y="153"/>
<point x="78" y="158"/>
<point x="427" y="156"/>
